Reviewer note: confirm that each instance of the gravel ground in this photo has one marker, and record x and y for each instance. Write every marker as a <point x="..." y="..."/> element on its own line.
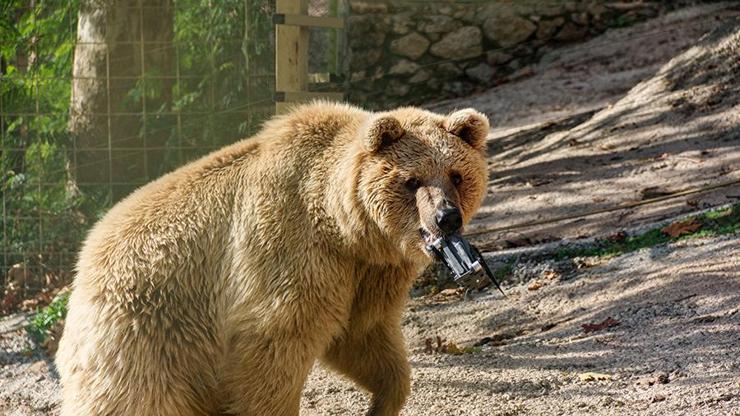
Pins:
<point x="674" y="351"/>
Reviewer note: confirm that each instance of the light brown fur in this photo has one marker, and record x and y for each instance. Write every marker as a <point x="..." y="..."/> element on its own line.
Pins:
<point x="213" y="289"/>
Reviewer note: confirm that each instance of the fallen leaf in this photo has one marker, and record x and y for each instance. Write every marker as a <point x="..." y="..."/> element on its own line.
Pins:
<point x="617" y="237"/>
<point x="680" y="228"/>
<point x="500" y="338"/>
<point x="428" y="348"/>
<point x="586" y="262"/>
<point x="594" y="376"/>
<point x="551" y="275"/>
<point x="534" y="286"/>
<point x="452" y="348"/>
<point x="606" y="323"/>
<point x="518" y="242"/>
<point x="661" y="156"/>
<point x="449" y="292"/>
<point x="548" y="326"/>
<point x="653" y="192"/>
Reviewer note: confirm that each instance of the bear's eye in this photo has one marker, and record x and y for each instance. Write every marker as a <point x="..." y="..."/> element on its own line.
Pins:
<point x="412" y="184"/>
<point x="456" y="178"/>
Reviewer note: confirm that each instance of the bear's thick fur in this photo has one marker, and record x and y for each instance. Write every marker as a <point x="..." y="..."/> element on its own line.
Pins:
<point x="214" y="289"/>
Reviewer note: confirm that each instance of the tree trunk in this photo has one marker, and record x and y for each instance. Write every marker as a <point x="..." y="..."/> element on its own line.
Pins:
<point x="122" y="76"/>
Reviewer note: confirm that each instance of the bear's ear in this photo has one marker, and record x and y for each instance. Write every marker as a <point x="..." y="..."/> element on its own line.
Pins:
<point x="381" y="132"/>
<point x="469" y="125"/>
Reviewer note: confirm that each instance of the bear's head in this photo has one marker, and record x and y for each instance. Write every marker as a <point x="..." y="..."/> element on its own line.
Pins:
<point x="422" y="175"/>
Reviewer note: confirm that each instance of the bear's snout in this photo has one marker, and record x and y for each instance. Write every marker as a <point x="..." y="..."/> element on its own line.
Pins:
<point x="448" y="218"/>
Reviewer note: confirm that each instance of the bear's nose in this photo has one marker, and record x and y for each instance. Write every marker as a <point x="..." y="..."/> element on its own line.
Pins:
<point x="449" y="219"/>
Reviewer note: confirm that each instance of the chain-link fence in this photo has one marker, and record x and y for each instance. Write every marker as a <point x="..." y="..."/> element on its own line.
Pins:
<point x="99" y="97"/>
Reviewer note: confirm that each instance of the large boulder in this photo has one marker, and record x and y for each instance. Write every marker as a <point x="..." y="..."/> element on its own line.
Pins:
<point x="461" y="44"/>
<point x="412" y="45"/>
<point x="508" y="30"/>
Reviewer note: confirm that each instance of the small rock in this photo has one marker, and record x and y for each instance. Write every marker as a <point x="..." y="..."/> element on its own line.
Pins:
<point x="419" y="77"/>
<point x="357" y="76"/>
<point x="580" y="18"/>
<point x="397" y="89"/>
<point x="363" y="7"/>
<point x="482" y="73"/>
<point x="597" y="9"/>
<point x="521" y="73"/>
<point x="497" y="57"/>
<point x="361" y="60"/>
<point x="549" y="8"/>
<point x="508" y="30"/>
<point x="657" y="398"/>
<point x="534" y="286"/>
<point x="548" y="28"/>
<point x="412" y="45"/>
<point x="571" y="32"/>
<point x="458" y="88"/>
<point x="460" y="44"/>
<point x="403" y="67"/>
<point x="663" y="379"/>
<point x="438" y="24"/>
<point x="401" y="23"/>
<point x="37" y="367"/>
<point x="449" y="70"/>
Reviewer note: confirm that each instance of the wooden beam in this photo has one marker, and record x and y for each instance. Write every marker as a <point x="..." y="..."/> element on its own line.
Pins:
<point x="291" y="51"/>
<point x="308" y="21"/>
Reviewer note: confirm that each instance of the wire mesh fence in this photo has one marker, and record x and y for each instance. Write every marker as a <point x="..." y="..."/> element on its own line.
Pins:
<point x="99" y="98"/>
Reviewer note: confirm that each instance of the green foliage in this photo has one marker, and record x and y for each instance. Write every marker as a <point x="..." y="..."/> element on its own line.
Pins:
<point x="36" y="53"/>
<point x="45" y="319"/>
<point x="224" y="62"/>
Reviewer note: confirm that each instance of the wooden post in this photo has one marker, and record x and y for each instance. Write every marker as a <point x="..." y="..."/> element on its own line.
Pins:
<point x="291" y="52"/>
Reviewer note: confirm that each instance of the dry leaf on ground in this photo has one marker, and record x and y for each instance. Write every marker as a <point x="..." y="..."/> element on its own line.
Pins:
<point x="680" y="228"/>
<point x="534" y="286"/>
<point x="606" y="323"/>
<point x="594" y="376"/>
<point x="551" y="275"/>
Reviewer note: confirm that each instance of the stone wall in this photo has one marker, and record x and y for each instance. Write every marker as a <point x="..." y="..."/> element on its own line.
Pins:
<point x="410" y="51"/>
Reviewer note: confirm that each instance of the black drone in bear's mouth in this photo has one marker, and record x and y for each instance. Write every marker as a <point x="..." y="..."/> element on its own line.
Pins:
<point x="463" y="259"/>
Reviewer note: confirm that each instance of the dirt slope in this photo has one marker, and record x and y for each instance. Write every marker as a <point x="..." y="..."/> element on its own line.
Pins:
<point x="580" y="136"/>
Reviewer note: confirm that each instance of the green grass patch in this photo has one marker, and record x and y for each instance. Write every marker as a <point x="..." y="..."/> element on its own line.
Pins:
<point x="713" y="223"/>
<point x="45" y="319"/>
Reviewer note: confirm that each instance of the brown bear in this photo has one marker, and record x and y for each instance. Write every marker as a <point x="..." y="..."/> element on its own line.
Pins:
<point x="214" y="289"/>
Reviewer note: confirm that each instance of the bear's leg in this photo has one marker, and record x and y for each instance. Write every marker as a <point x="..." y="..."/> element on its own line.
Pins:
<point x="264" y="374"/>
<point x="376" y="359"/>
